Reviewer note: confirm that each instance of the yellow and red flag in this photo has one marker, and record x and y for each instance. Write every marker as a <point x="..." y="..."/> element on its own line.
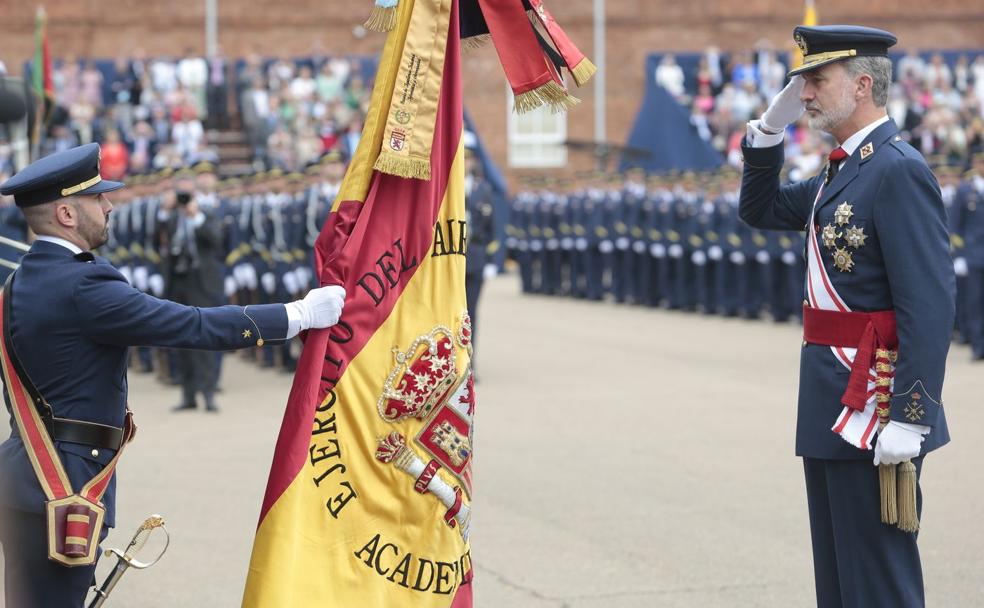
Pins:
<point x="810" y="19"/>
<point x="368" y="499"/>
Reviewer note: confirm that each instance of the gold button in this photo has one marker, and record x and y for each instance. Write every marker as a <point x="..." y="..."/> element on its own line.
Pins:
<point x="804" y="343"/>
<point x="95" y="453"/>
<point x="259" y="342"/>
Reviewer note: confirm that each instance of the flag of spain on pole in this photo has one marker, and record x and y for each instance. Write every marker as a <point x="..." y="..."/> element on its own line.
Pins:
<point x="368" y="499"/>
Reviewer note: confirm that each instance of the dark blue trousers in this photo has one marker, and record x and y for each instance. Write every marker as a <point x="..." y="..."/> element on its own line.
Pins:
<point x="30" y="578"/>
<point x="859" y="562"/>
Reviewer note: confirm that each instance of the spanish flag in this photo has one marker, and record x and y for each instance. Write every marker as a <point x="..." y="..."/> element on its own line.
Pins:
<point x="809" y="18"/>
<point x="368" y="499"/>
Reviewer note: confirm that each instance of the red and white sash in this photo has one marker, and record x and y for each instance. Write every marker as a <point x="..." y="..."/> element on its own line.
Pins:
<point x="856" y="427"/>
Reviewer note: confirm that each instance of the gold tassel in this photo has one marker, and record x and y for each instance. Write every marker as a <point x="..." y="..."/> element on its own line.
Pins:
<point x="550" y="93"/>
<point x="583" y="71"/>
<point x="475" y="42"/>
<point x="381" y="19"/>
<point x="908" y="516"/>
<point x="889" y="506"/>
<point x="403" y="166"/>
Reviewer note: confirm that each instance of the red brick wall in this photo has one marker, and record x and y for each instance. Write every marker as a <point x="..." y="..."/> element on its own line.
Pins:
<point x="101" y="28"/>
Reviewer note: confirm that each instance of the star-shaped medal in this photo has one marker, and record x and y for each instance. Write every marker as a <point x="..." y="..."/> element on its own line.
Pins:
<point x="843" y="214"/>
<point x="855" y="237"/>
<point x="843" y="260"/>
<point x="247" y="334"/>
<point x="830" y="236"/>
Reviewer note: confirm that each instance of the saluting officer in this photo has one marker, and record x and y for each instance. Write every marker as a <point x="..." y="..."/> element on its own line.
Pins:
<point x="878" y="317"/>
<point x="68" y="318"/>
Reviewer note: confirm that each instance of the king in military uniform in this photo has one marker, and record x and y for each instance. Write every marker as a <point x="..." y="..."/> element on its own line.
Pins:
<point x="68" y="318"/>
<point x="878" y="313"/>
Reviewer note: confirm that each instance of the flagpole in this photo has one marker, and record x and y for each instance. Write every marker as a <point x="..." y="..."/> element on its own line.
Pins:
<point x="599" y="78"/>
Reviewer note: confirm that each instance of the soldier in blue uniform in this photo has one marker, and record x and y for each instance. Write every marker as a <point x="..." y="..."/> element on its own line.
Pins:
<point x="968" y="230"/>
<point x="69" y="318"/>
<point x="880" y="280"/>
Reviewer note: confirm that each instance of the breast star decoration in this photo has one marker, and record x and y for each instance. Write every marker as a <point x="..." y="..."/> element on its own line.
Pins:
<point x="843" y="214"/>
<point x="853" y="237"/>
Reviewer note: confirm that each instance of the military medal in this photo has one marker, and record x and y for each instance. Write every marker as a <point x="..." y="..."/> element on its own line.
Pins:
<point x="843" y="214"/>
<point x="855" y="237"/>
<point x="830" y="236"/>
<point x="842" y="259"/>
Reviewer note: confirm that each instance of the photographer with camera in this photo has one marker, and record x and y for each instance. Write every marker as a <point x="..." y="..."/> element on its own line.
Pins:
<point x="194" y="277"/>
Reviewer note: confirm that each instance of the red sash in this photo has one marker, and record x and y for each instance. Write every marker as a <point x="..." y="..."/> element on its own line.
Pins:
<point x="74" y="520"/>
<point x="872" y="333"/>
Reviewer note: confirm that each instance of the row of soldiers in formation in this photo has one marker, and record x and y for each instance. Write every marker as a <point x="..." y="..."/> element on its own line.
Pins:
<point x="255" y="247"/>
<point x="676" y="241"/>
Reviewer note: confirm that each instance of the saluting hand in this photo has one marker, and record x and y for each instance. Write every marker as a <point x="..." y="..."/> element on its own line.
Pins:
<point x="786" y="107"/>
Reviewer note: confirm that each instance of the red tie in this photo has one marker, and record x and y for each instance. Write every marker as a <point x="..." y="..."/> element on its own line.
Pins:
<point x="835" y="158"/>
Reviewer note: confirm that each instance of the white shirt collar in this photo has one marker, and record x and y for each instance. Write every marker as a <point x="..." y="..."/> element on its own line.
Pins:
<point x="59" y="241"/>
<point x="852" y="142"/>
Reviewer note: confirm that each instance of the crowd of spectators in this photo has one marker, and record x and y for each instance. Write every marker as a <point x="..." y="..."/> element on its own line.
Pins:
<point x="151" y="113"/>
<point x="938" y="106"/>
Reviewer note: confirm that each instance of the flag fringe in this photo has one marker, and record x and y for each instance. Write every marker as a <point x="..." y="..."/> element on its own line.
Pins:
<point x="403" y="166"/>
<point x="583" y="72"/>
<point x="475" y="42"/>
<point x="381" y="19"/>
<point x="550" y="93"/>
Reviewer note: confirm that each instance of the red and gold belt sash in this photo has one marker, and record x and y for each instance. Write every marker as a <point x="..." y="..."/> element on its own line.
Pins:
<point x="74" y="520"/>
<point x="873" y="334"/>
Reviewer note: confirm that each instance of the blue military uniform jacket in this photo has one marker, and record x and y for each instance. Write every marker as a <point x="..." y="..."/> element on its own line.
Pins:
<point x="73" y="318"/>
<point x="903" y="265"/>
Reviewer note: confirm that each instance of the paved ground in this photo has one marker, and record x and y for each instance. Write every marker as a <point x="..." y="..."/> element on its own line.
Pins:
<point x="615" y="468"/>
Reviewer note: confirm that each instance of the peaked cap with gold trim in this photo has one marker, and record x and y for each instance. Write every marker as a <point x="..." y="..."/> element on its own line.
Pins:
<point x="823" y="44"/>
<point x="74" y="171"/>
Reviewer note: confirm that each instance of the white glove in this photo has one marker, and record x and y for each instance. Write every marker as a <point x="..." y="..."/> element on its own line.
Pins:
<point x="699" y="258"/>
<point x="606" y="247"/>
<point x="899" y="441"/>
<point x="737" y="257"/>
<point x="127" y="274"/>
<point x="156" y="285"/>
<point x="320" y="308"/>
<point x="676" y="251"/>
<point x="269" y="282"/>
<point x="762" y="257"/>
<point x="960" y="267"/>
<point x="553" y="244"/>
<point x="567" y="243"/>
<point x="786" y="107"/>
<point x="639" y="247"/>
<point x="657" y="250"/>
<point x="536" y="245"/>
<point x="304" y="276"/>
<point x="622" y="243"/>
<point x="489" y="271"/>
<point x="140" y="278"/>
<point x="290" y="283"/>
<point x="581" y="244"/>
<point x="229" y="286"/>
<point x="788" y="258"/>
<point x="715" y="253"/>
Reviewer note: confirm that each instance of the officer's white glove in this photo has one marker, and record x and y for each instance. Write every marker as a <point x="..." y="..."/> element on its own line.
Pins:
<point x="737" y="257"/>
<point x="321" y="307"/>
<point x="140" y="278"/>
<point x="676" y="251"/>
<point x="229" y="286"/>
<point x="567" y="243"/>
<point x="156" y="285"/>
<point x="622" y="243"/>
<point x="960" y="267"/>
<point x="269" y="282"/>
<point x="699" y="258"/>
<point x="786" y="107"/>
<point x="657" y="250"/>
<point x="606" y="247"/>
<point x="788" y="258"/>
<point x="762" y="257"/>
<point x="581" y="244"/>
<point x="553" y="244"/>
<point x="304" y="276"/>
<point x="639" y="247"/>
<point x="489" y="271"/>
<point x="899" y="441"/>
<point x="536" y="245"/>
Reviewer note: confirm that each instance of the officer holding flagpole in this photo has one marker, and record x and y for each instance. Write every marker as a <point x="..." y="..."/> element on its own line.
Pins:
<point x="68" y="319"/>
<point x="878" y="313"/>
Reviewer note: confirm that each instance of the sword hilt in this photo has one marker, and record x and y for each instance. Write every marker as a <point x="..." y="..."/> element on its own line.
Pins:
<point x="125" y="559"/>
